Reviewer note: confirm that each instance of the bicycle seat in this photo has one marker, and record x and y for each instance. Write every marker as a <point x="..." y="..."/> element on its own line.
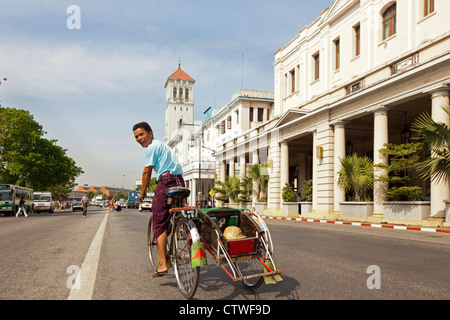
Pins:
<point x="178" y="192"/>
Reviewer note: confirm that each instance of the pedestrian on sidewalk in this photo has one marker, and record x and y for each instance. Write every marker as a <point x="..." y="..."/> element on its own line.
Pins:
<point x="22" y="207"/>
<point x="84" y="202"/>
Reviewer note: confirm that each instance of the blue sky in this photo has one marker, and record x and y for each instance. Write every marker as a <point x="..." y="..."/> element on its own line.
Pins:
<point x="88" y="86"/>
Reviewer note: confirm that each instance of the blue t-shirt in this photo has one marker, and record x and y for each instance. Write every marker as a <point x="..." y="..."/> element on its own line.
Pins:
<point x="162" y="158"/>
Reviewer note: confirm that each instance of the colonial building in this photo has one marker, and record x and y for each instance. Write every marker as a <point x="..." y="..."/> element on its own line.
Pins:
<point x="358" y="74"/>
<point x="179" y="102"/>
<point x="233" y="132"/>
<point x="184" y="135"/>
<point x="354" y="78"/>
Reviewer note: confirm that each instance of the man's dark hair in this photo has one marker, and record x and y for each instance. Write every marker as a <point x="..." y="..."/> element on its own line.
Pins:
<point x="143" y="125"/>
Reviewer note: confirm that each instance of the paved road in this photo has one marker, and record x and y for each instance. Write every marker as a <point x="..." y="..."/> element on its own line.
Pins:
<point x="320" y="261"/>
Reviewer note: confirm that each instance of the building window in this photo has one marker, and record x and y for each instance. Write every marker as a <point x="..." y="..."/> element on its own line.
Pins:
<point x="186" y="94"/>
<point x="229" y="122"/>
<point x="237" y="116"/>
<point x="316" y="58"/>
<point x="389" y="21"/>
<point x="357" y="33"/>
<point x="174" y="92"/>
<point x="251" y="114"/>
<point x="181" y="93"/>
<point x="222" y="127"/>
<point x="428" y="7"/>
<point x="292" y="72"/>
<point x="337" y="54"/>
<point x="260" y="114"/>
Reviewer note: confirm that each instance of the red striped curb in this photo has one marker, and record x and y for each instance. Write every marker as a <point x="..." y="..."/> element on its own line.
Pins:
<point x="362" y="224"/>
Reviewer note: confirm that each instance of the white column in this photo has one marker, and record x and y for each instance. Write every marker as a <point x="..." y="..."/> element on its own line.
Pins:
<point x="284" y="165"/>
<point x="339" y="153"/>
<point x="380" y="137"/>
<point x="315" y="178"/>
<point x="232" y="168"/>
<point x="223" y="171"/>
<point x="439" y="191"/>
<point x="242" y="166"/>
<point x="255" y="195"/>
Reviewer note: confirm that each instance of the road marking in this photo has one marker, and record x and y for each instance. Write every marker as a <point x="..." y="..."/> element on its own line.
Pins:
<point x="86" y="276"/>
<point x="442" y="230"/>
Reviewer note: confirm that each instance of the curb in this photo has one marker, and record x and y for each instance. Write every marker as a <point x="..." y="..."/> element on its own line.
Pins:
<point x="361" y="224"/>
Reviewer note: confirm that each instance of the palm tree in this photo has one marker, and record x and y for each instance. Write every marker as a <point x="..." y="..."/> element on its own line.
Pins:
<point x="260" y="180"/>
<point x="229" y="190"/>
<point x="356" y="175"/>
<point x="436" y="139"/>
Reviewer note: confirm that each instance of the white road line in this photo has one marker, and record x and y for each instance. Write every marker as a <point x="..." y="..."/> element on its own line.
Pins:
<point x="84" y="284"/>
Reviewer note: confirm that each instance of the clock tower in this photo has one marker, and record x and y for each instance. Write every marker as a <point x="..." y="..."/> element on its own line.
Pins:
<point x="179" y="102"/>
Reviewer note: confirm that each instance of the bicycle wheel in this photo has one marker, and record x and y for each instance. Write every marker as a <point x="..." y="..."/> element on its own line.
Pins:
<point x="248" y="268"/>
<point x="153" y="253"/>
<point x="187" y="277"/>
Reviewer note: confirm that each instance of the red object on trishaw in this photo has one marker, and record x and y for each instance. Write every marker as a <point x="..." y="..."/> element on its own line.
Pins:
<point x="239" y="247"/>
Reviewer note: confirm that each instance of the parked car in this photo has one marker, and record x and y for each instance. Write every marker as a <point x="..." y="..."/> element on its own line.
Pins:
<point x="77" y="205"/>
<point x="132" y="204"/>
<point x="146" y="205"/>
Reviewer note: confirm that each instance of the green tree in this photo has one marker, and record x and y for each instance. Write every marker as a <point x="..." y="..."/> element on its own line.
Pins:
<point x="403" y="161"/>
<point x="288" y="194"/>
<point x="228" y="190"/>
<point x="356" y="176"/>
<point x="28" y="159"/>
<point x="151" y="186"/>
<point x="307" y="190"/>
<point x="261" y="179"/>
<point x="436" y="141"/>
<point x="246" y="189"/>
<point x="120" y="195"/>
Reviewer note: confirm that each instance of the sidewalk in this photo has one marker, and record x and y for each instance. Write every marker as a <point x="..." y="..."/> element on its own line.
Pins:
<point x="375" y="222"/>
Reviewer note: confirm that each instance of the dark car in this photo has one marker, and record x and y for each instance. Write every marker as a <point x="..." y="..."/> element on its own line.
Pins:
<point x="77" y="205"/>
<point x="132" y="204"/>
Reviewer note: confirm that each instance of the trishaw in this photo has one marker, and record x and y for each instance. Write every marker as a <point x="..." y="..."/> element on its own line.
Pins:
<point x="238" y="240"/>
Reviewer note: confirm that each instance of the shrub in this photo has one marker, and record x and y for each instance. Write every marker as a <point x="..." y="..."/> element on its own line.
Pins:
<point x="288" y="194"/>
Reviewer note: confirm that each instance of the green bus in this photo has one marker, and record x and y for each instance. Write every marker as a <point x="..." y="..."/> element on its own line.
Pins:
<point x="10" y="197"/>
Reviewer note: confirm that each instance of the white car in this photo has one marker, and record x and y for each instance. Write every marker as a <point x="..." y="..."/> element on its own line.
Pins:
<point x="146" y="205"/>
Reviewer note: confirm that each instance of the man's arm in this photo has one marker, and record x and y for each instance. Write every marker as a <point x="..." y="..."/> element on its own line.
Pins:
<point x="146" y="176"/>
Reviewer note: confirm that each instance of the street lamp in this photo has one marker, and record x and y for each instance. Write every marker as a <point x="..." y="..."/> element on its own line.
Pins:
<point x="406" y="133"/>
<point x="199" y="193"/>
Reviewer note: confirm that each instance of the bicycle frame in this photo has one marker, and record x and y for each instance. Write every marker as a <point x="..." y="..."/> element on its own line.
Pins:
<point x="194" y="231"/>
<point x="223" y="256"/>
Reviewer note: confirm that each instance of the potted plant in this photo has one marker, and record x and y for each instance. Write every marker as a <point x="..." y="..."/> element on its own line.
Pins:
<point x="356" y="178"/>
<point x="228" y="190"/>
<point x="290" y="204"/>
<point x="260" y="180"/>
<point x="404" y="200"/>
<point x="306" y="199"/>
<point x="436" y="142"/>
<point x="246" y="192"/>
